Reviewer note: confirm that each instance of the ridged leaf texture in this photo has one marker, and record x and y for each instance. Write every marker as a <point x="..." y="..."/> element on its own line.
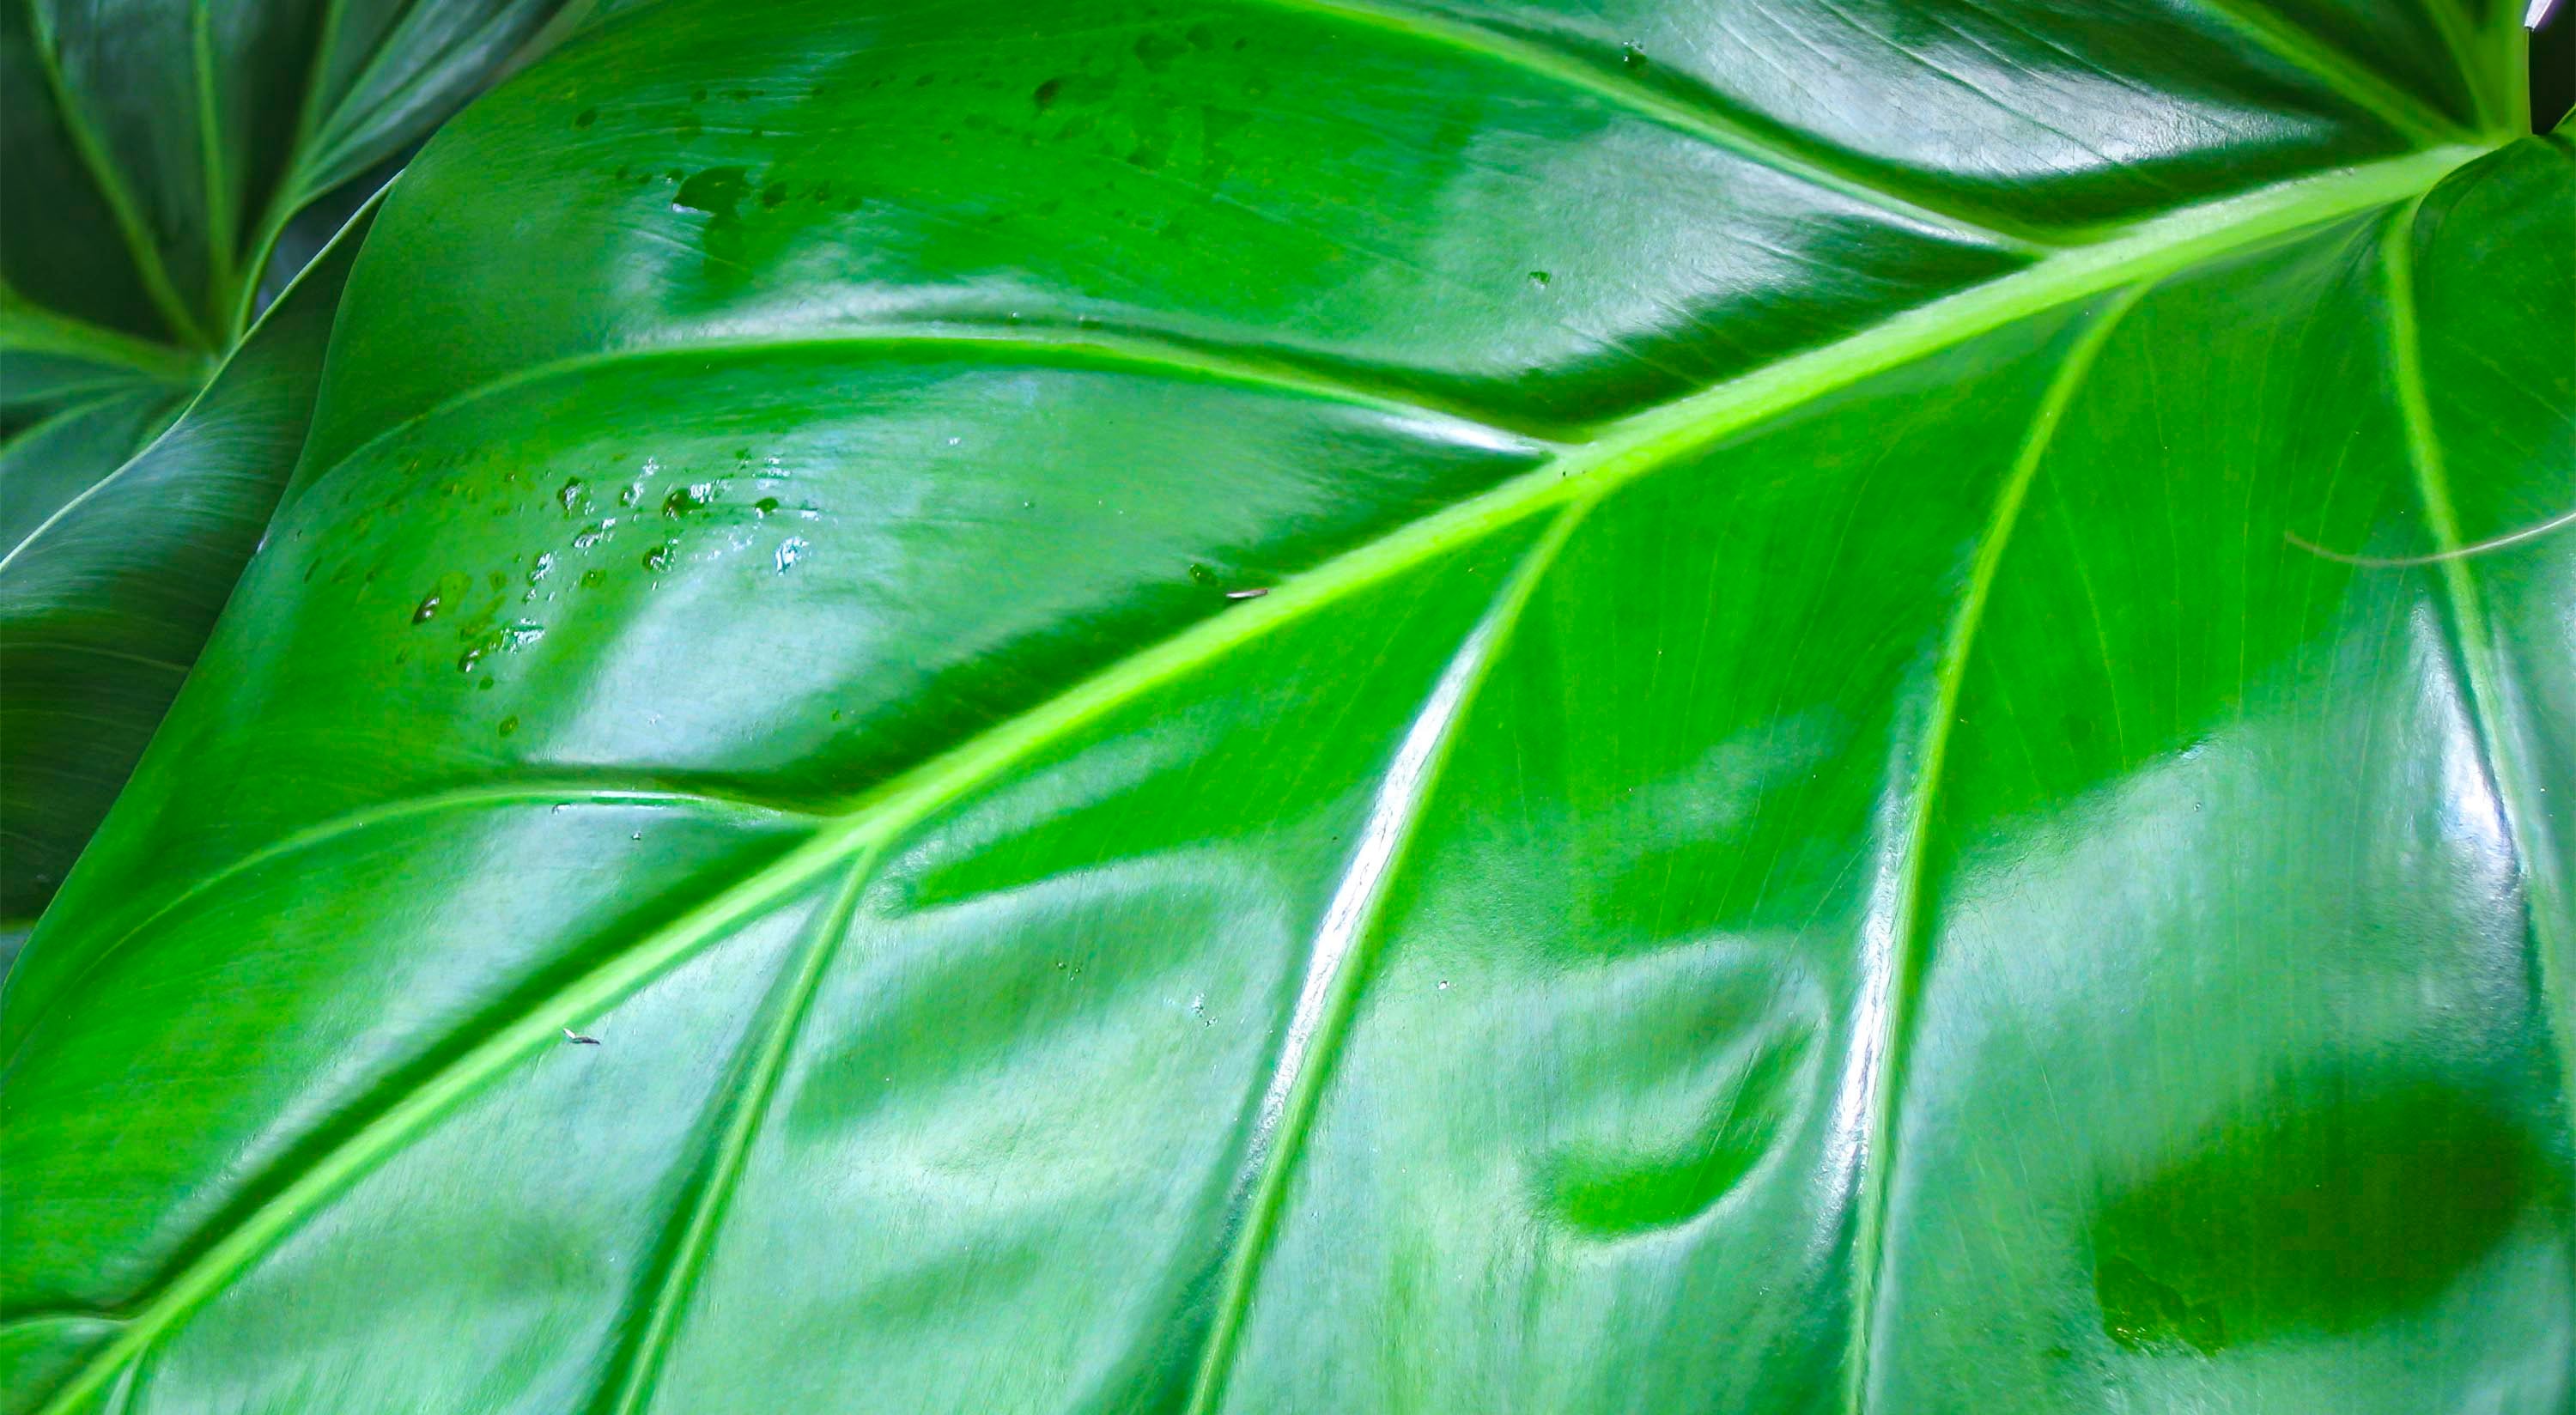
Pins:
<point x="1304" y="706"/>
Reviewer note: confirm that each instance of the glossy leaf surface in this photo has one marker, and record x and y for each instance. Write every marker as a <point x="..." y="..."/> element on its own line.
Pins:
<point x="166" y="169"/>
<point x="1816" y="814"/>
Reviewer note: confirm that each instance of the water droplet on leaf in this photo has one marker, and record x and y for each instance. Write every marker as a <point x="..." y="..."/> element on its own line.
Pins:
<point x="450" y="590"/>
<point x="714" y="191"/>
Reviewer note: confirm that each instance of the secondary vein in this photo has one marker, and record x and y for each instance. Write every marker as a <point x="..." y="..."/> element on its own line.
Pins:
<point x="1814" y="163"/>
<point x="2340" y="72"/>
<point x="732" y="1146"/>
<point x="588" y="793"/>
<point x="1140" y="351"/>
<point x="1892" y="933"/>
<point x="1337" y="963"/>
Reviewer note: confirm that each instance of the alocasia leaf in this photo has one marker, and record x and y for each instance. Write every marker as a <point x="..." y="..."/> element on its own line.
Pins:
<point x="1303" y="706"/>
<point x="166" y="168"/>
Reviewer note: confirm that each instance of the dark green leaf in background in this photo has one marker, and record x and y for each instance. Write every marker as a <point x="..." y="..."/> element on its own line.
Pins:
<point x="1817" y="814"/>
<point x="114" y="578"/>
<point x="165" y="168"/>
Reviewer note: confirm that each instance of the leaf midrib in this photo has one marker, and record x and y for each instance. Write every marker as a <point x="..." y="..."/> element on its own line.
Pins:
<point x="29" y="327"/>
<point x="233" y="287"/>
<point x="1622" y="452"/>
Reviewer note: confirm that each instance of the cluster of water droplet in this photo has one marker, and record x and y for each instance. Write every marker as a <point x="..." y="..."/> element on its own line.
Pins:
<point x="483" y="620"/>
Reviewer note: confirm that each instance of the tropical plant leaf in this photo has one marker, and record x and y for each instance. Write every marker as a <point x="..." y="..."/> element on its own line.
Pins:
<point x="1312" y="707"/>
<point x="112" y="581"/>
<point x="166" y="168"/>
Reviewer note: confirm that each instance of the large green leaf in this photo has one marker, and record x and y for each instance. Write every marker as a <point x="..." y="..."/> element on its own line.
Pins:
<point x="166" y="167"/>
<point x="1818" y="814"/>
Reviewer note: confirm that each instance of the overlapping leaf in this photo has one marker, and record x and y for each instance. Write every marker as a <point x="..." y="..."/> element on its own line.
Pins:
<point x="167" y="168"/>
<point x="1312" y="706"/>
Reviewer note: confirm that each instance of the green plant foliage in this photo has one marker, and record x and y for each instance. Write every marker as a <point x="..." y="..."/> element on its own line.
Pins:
<point x="166" y="169"/>
<point x="1304" y="706"/>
